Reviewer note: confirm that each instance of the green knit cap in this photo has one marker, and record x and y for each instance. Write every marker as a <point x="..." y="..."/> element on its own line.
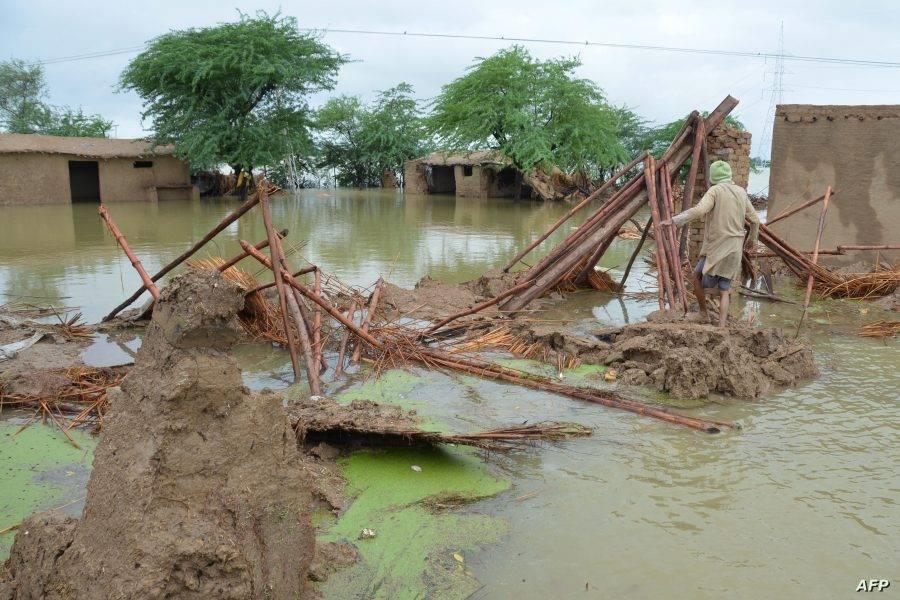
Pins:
<point x="719" y="171"/>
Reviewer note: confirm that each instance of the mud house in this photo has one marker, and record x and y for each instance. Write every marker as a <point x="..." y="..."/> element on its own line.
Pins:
<point x="478" y="174"/>
<point x="41" y="169"/>
<point x="852" y="148"/>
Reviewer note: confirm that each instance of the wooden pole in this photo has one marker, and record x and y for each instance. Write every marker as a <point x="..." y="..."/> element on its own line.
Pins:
<point x="367" y="320"/>
<point x="844" y="247"/>
<point x="339" y="368"/>
<point x="594" y="195"/>
<point x="687" y="198"/>
<point x="266" y="286"/>
<point x="668" y="206"/>
<point x="791" y="211"/>
<point x="662" y="259"/>
<point x="815" y="256"/>
<point x="145" y="277"/>
<point x="478" y="307"/>
<point x="637" y="250"/>
<point x="283" y="300"/>
<point x="236" y="259"/>
<point x="231" y="218"/>
<point x="317" y="321"/>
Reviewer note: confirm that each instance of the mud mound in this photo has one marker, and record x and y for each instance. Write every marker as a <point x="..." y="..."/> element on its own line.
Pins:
<point x="321" y="417"/>
<point x="197" y="489"/>
<point x="693" y="360"/>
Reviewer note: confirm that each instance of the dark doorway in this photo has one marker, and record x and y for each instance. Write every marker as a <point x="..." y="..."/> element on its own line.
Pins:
<point x="84" y="180"/>
<point x="441" y="180"/>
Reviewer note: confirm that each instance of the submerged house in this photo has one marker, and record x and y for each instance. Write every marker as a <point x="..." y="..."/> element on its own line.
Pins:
<point x="479" y="174"/>
<point x="483" y="174"/>
<point x="44" y="169"/>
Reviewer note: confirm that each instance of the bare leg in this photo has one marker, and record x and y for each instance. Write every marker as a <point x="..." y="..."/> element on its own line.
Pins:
<point x="699" y="293"/>
<point x="724" y="301"/>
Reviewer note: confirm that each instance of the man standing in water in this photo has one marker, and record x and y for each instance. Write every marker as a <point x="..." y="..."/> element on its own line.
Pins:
<point x="725" y="205"/>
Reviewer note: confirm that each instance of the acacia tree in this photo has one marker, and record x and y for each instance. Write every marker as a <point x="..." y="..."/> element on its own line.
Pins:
<point x="362" y="143"/>
<point x="235" y="93"/>
<point x="538" y="113"/>
<point x="23" y="110"/>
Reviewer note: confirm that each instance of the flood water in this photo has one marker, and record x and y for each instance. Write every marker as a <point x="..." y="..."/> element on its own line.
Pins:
<point x="801" y="502"/>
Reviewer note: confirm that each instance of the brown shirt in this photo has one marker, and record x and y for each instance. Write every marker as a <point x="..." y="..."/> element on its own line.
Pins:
<point x="724" y="207"/>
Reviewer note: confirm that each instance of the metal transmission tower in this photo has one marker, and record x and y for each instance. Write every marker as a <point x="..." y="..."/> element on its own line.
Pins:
<point x="776" y="96"/>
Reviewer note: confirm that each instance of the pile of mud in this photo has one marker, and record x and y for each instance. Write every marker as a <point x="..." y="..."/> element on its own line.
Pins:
<point x="197" y="489"/>
<point x="319" y="418"/>
<point x="691" y="360"/>
<point x="431" y="300"/>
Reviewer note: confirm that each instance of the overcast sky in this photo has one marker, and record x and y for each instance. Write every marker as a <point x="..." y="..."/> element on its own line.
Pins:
<point x="661" y="86"/>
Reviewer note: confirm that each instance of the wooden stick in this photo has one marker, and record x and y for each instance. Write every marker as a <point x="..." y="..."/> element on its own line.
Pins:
<point x="283" y="300"/>
<point x="845" y="247"/>
<point x="145" y="277"/>
<point x="791" y="211"/>
<point x="637" y="250"/>
<point x="667" y="204"/>
<point x="478" y="307"/>
<point x="266" y="286"/>
<point x="662" y="259"/>
<point x="687" y="198"/>
<point x="231" y="218"/>
<point x="815" y="256"/>
<point x="263" y="244"/>
<point x="594" y="195"/>
<point x="367" y="320"/>
<point x="339" y="369"/>
<point x="317" y="321"/>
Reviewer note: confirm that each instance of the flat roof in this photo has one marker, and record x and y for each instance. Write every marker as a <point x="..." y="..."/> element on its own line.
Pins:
<point x="23" y="143"/>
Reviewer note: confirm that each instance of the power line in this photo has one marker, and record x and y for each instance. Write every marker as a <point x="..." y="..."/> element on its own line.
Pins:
<point x="586" y="43"/>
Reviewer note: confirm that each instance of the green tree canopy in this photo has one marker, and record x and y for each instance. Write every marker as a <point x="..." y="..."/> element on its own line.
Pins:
<point x="23" y="110"/>
<point x="235" y="93"/>
<point x="538" y="113"/>
<point x="362" y="142"/>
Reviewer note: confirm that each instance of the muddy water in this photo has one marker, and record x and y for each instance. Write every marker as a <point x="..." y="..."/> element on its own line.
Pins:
<point x="802" y="502"/>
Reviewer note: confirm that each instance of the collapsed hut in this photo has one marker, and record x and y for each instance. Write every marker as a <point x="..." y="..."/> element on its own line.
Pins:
<point x="47" y="169"/>
<point x="483" y="174"/>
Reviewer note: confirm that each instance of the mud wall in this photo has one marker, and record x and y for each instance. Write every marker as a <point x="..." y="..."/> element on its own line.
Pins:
<point x="414" y="178"/>
<point x="852" y="148"/>
<point x="473" y="185"/>
<point x="44" y="179"/>
<point x="732" y="146"/>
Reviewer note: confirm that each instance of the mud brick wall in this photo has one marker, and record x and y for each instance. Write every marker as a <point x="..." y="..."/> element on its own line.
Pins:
<point x="852" y="148"/>
<point x="732" y="146"/>
<point x="414" y="179"/>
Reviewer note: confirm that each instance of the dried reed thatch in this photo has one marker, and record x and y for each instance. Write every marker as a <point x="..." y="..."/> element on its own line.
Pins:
<point x="881" y="329"/>
<point x="860" y="286"/>
<point x="76" y="397"/>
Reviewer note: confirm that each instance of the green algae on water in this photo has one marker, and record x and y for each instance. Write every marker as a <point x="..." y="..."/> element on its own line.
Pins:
<point x="39" y="469"/>
<point x="412" y="554"/>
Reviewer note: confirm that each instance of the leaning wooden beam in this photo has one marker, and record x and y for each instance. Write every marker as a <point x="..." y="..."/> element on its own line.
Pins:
<point x="791" y="211"/>
<point x="631" y="202"/>
<point x="283" y="300"/>
<point x="663" y="263"/>
<point x="690" y="183"/>
<point x="478" y="307"/>
<point x="593" y="196"/>
<point x="292" y="306"/>
<point x="367" y="320"/>
<point x="493" y="371"/>
<point x="667" y="207"/>
<point x="317" y="322"/>
<point x="231" y="218"/>
<point x="266" y="286"/>
<point x="815" y="257"/>
<point x="236" y="259"/>
<point x="637" y="250"/>
<point x="339" y="367"/>
<point x="145" y="277"/>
